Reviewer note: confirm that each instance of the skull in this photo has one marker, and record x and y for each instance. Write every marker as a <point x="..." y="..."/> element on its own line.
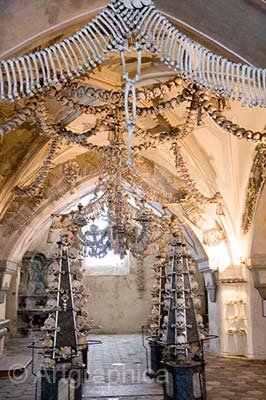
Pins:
<point x="197" y="303"/>
<point x="180" y="321"/>
<point x="181" y="339"/>
<point x="180" y="303"/>
<point x="179" y="284"/>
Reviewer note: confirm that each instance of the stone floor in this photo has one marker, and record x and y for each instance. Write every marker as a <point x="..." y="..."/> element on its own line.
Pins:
<point x="118" y="371"/>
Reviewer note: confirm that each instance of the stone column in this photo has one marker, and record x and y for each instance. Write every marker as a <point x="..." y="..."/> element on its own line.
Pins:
<point x="12" y="301"/>
<point x="7" y="273"/>
<point x="213" y="306"/>
<point x="256" y="306"/>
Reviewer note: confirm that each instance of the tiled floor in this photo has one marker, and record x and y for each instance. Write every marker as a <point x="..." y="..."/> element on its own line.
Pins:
<point x="118" y="371"/>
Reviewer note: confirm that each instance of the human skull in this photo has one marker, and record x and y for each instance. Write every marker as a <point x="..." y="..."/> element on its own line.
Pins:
<point x="49" y="323"/>
<point x="51" y="303"/>
<point x="181" y="339"/>
<point x="179" y="266"/>
<point x="179" y="284"/>
<point x="54" y="267"/>
<point x="75" y="266"/>
<point x="180" y="303"/>
<point x="180" y="321"/>
<point x="197" y="303"/>
<point x="194" y="285"/>
<point x="80" y="322"/>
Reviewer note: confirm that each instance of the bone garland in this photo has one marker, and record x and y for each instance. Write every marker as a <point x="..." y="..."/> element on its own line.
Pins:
<point x="255" y="184"/>
<point x="77" y="138"/>
<point x="76" y="89"/>
<point x="109" y="31"/>
<point x="45" y="127"/>
<point x="188" y="182"/>
<point x="229" y="126"/>
<point x="18" y="118"/>
<point x="34" y="188"/>
<point x="131" y="177"/>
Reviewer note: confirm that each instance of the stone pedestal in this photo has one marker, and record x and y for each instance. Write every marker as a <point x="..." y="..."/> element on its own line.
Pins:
<point x="61" y="383"/>
<point x="184" y="382"/>
<point x="156" y="355"/>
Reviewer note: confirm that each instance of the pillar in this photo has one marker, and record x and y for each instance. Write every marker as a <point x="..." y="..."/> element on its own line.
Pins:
<point x="257" y="306"/>
<point x="7" y="272"/>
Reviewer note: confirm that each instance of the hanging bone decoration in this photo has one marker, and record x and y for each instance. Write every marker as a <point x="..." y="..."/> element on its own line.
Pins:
<point x="110" y="31"/>
<point x="183" y="324"/>
<point x="67" y="326"/>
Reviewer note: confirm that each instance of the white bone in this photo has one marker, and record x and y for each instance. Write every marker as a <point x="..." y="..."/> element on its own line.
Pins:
<point x="233" y="91"/>
<point x="115" y="20"/>
<point x="62" y="76"/>
<point x="44" y="56"/>
<point x="147" y="21"/>
<point x="142" y="16"/>
<point x="21" y="80"/>
<point x="228" y="88"/>
<point x="9" y="83"/>
<point x="180" y="47"/>
<point x="162" y="42"/>
<point x="197" y="69"/>
<point x="37" y="75"/>
<point x="254" y="72"/>
<point x="42" y="68"/>
<point x="158" y="39"/>
<point x="243" y="68"/>
<point x="2" y="95"/>
<point x="32" y="87"/>
<point x="98" y="57"/>
<point x="50" y="54"/>
<point x="208" y="64"/>
<point x="15" y="91"/>
<point x="153" y="25"/>
<point x="167" y="40"/>
<point x="109" y="46"/>
<point x="213" y="59"/>
<point x="73" y="68"/>
<point x="203" y="68"/>
<point x="173" y="56"/>
<point x="251" y="98"/>
<point x="261" y="97"/>
<point x="79" y="66"/>
<point x="85" y="61"/>
<point x="94" y="26"/>
<point x="219" y="83"/>
<point x="264" y="84"/>
<point x="58" y="47"/>
<point x="224" y="87"/>
<point x="160" y="19"/>
<point x="111" y="27"/>
<point x="125" y="28"/>
<point x="183" y="44"/>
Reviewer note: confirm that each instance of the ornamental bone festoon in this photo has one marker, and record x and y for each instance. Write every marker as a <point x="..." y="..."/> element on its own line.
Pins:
<point x="110" y="31"/>
<point x="183" y="359"/>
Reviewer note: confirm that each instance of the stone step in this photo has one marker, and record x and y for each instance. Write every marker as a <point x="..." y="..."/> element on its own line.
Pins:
<point x="92" y="391"/>
<point x="14" y="365"/>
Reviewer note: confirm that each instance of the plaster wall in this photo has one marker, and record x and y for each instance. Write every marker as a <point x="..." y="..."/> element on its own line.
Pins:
<point x="115" y="303"/>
